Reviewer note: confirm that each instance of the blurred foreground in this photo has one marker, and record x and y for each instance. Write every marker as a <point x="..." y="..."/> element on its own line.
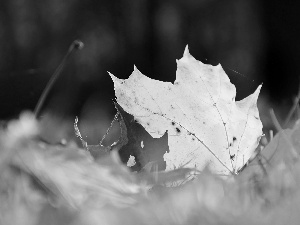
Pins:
<point x="64" y="184"/>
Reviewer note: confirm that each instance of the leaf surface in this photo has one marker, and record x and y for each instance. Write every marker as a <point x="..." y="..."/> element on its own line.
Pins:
<point x="205" y="125"/>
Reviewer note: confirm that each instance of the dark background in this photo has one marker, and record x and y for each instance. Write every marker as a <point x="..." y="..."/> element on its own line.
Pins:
<point x="258" y="39"/>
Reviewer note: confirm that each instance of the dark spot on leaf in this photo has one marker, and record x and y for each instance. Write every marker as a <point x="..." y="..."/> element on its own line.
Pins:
<point x="234" y="138"/>
<point x="148" y="124"/>
<point x="230" y="144"/>
<point x="178" y="130"/>
<point x="193" y="139"/>
<point x="136" y="100"/>
<point x="173" y="123"/>
<point x="232" y="157"/>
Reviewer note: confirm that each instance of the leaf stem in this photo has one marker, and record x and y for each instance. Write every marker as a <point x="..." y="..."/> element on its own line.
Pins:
<point x="74" y="46"/>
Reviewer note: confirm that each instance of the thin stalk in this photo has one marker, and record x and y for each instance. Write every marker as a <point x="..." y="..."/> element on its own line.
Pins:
<point x="74" y="46"/>
<point x="293" y="109"/>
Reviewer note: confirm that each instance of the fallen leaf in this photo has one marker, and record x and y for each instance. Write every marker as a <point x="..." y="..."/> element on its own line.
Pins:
<point x="205" y="125"/>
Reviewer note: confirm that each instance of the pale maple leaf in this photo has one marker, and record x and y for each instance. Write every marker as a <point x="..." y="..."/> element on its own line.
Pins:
<point x="205" y="125"/>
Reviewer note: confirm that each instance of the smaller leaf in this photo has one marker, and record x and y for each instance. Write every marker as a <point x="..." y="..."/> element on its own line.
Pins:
<point x="276" y="152"/>
<point x="141" y="144"/>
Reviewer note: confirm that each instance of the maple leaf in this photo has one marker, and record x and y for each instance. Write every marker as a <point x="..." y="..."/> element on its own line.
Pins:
<point x="206" y="126"/>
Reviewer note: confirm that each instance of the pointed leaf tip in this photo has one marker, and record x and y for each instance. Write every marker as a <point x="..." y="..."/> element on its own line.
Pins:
<point x="135" y="69"/>
<point x="186" y="51"/>
<point x="111" y="75"/>
<point x="257" y="91"/>
<point x="114" y="78"/>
